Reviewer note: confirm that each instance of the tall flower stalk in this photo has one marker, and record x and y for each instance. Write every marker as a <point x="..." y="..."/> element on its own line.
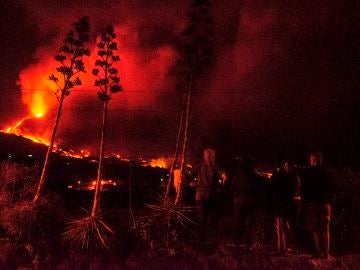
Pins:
<point x="195" y="60"/>
<point x="108" y="82"/>
<point x="70" y="58"/>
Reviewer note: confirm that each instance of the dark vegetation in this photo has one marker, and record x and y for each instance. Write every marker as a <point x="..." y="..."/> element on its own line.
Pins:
<point x="160" y="238"/>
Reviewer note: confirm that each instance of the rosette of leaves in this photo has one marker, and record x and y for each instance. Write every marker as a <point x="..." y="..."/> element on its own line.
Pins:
<point x="167" y="225"/>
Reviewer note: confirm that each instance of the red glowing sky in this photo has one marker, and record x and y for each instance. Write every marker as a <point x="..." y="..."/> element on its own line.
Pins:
<point x="283" y="78"/>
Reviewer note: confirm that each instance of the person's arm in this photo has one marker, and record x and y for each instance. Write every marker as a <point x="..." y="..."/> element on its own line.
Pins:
<point x="329" y="188"/>
<point x="197" y="173"/>
<point x="297" y="194"/>
<point x="224" y="176"/>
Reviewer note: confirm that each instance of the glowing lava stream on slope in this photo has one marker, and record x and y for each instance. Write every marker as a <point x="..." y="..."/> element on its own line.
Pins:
<point x="160" y="162"/>
<point x="16" y="131"/>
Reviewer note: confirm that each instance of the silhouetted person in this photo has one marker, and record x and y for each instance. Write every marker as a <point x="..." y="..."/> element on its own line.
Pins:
<point x="285" y="186"/>
<point x="317" y="197"/>
<point x="247" y="197"/>
<point x="207" y="185"/>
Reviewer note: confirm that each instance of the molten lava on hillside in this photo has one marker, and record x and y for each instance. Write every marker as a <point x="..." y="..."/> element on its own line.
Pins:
<point x="16" y="129"/>
<point x="82" y="110"/>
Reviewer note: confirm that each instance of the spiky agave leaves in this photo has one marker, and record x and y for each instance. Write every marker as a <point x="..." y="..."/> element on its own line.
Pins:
<point x="169" y="223"/>
<point x="90" y="234"/>
<point x="177" y="213"/>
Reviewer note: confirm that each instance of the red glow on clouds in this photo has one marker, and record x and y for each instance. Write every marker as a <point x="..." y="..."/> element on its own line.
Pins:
<point x="142" y="74"/>
<point x="253" y="46"/>
<point x="37" y="90"/>
<point x="276" y="65"/>
<point x="143" y="69"/>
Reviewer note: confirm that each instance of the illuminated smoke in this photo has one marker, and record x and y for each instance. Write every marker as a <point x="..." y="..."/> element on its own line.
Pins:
<point x="146" y="39"/>
<point x="258" y="67"/>
<point x="143" y="70"/>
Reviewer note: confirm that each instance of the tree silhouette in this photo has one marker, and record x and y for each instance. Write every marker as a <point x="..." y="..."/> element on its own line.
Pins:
<point x="70" y="57"/>
<point x="108" y="83"/>
<point x="194" y="62"/>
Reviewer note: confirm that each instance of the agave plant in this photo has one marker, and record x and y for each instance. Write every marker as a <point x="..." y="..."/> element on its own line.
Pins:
<point x="194" y="62"/>
<point x="70" y="59"/>
<point x="89" y="233"/>
<point x="88" y="239"/>
<point x="171" y="217"/>
<point x="108" y="82"/>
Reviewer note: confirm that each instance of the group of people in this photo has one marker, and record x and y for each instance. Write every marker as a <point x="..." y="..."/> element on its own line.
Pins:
<point x="287" y="194"/>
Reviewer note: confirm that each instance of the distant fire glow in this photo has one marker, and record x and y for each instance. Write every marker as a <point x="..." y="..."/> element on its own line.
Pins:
<point x="15" y="129"/>
<point x="159" y="162"/>
<point x="38" y="100"/>
<point x="12" y="129"/>
<point x="83" y="153"/>
<point x="106" y="184"/>
<point x="38" y="92"/>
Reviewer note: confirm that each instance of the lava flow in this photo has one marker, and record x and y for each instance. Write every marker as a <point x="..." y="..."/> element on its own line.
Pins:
<point x="159" y="162"/>
<point x="15" y="129"/>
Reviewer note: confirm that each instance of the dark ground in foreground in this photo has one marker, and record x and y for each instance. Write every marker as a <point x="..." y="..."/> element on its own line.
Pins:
<point x="221" y="257"/>
<point x="144" y="248"/>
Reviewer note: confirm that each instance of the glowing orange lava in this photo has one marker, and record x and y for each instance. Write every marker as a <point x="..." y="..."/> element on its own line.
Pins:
<point x="37" y="91"/>
<point x="14" y="129"/>
<point x="159" y="162"/>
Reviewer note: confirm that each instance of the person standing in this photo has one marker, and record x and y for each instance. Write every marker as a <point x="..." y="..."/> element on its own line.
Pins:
<point x="207" y="185"/>
<point x="317" y="198"/>
<point x="247" y="193"/>
<point x="285" y="186"/>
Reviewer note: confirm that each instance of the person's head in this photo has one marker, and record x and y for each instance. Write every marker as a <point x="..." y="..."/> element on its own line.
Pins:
<point x="286" y="166"/>
<point x="315" y="159"/>
<point x="209" y="156"/>
<point x="283" y="164"/>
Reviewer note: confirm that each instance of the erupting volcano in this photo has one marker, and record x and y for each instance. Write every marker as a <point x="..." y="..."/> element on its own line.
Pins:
<point x="145" y="73"/>
<point x="39" y="93"/>
<point x="16" y="130"/>
<point x="274" y="84"/>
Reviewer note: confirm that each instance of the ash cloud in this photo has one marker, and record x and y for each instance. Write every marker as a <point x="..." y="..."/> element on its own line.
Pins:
<point x="282" y="77"/>
<point x="146" y="34"/>
<point x="282" y="82"/>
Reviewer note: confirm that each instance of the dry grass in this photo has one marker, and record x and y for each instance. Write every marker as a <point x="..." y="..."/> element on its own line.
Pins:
<point x="17" y="183"/>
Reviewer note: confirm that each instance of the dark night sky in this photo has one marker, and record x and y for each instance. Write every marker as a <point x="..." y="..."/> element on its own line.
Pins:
<point x="285" y="77"/>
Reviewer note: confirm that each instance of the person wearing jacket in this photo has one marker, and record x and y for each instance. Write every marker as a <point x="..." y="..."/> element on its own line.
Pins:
<point x="317" y="198"/>
<point x="248" y="197"/>
<point x="207" y="186"/>
<point x="286" y="198"/>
